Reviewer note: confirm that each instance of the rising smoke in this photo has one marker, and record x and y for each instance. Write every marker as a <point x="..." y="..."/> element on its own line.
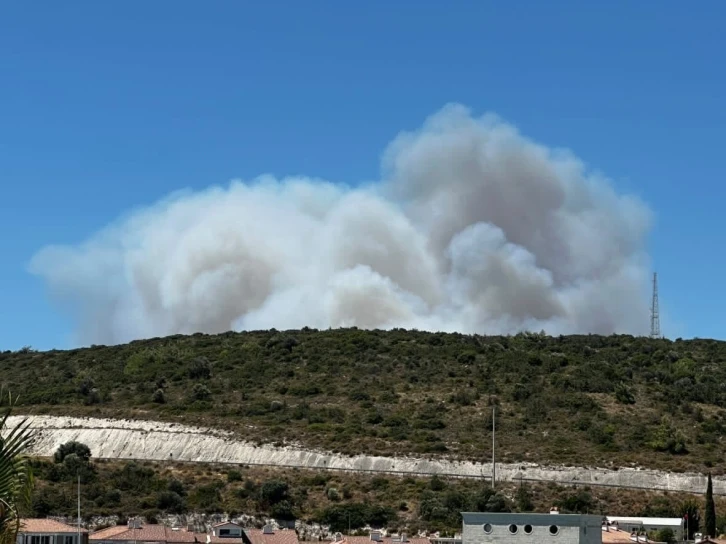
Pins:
<point x="473" y="228"/>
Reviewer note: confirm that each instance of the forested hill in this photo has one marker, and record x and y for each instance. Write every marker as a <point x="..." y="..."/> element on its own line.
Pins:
<point x="579" y="400"/>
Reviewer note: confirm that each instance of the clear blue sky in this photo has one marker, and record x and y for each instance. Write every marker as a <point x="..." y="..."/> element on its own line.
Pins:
<point x="105" y="106"/>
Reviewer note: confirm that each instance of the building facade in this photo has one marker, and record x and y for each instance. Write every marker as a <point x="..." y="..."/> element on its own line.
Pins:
<point x="500" y="528"/>
<point x="227" y="529"/>
<point x="677" y="525"/>
<point x="48" y="531"/>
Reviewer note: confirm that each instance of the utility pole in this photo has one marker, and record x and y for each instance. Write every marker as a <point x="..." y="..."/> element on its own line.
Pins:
<point x="654" y="312"/>
<point x="79" y="508"/>
<point x="494" y="429"/>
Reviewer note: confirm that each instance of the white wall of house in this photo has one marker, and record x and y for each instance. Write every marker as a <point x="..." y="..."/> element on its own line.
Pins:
<point x="231" y="530"/>
<point x="501" y="528"/>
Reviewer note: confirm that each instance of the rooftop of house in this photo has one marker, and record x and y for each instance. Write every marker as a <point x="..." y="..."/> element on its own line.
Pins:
<point x="270" y="536"/>
<point x="148" y="533"/>
<point x="378" y="538"/>
<point x="36" y="525"/>
<point x="665" y="522"/>
<point x="160" y="533"/>
<point x="616" y="536"/>
<point x="536" y="519"/>
<point x="102" y="534"/>
<point x="214" y="539"/>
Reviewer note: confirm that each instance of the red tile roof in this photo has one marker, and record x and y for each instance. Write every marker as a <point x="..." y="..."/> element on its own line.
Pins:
<point x="225" y="539"/>
<point x="148" y="533"/>
<point x="102" y="534"/>
<point x="383" y="540"/>
<point x="46" y="526"/>
<point x="282" y="536"/>
<point x="616" y="536"/>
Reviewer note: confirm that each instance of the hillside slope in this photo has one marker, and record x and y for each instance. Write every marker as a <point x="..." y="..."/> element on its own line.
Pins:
<point x="175" y="492"/>
<point x="154" y="441"/>
<point x="571" y="400"/>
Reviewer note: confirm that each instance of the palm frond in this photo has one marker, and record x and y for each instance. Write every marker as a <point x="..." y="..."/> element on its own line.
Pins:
<point x="16" y="475"/>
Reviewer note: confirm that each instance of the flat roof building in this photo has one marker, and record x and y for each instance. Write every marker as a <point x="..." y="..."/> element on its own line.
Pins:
<point x="500" y="528"/>
<point x="637" y="523"/>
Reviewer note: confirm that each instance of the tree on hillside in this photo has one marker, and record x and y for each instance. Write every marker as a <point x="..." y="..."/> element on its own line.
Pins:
<point x="523" y="499"/>
<point x="82" y="451"/>
<point x="692" y="516"/>
<point x="16" y="477"/>
<point x="74" y="460"/>
<point x="710" y="513"/>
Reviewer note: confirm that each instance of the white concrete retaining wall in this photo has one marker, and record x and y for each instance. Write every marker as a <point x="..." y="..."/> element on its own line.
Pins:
<point x="156" y="441"/>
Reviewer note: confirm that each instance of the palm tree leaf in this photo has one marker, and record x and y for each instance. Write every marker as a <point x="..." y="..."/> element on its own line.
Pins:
<point x="16" y="477"/>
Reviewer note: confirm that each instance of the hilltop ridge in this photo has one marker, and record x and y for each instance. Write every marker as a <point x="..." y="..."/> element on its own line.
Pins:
<point x="585" y="400"/>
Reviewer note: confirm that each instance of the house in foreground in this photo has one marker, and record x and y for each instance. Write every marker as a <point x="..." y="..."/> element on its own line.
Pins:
<point x="649" y="525"/>
<point x="491" y="528"/>
<point x="376" y="537"/>
<point x="269" y="535"/>
<point x="612" y="535"/>
<point x="700" y="539"/>
<point x="226" y="531"/>
<point x="48" y="531"/>
<point x="137" y="532"/>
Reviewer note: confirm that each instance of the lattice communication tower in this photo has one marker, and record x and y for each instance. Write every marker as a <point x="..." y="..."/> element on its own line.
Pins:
<point x="654" y="312"/>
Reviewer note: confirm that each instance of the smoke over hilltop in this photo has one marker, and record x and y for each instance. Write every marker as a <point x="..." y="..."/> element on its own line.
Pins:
<point x="473" y="228"/>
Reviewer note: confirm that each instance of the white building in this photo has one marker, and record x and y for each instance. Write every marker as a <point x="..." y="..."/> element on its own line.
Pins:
<point x="635" y="523"/>
<point x="227" y="529"/>
<point x="499" y="528"/>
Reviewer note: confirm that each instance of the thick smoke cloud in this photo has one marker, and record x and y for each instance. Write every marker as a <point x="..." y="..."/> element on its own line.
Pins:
<point x="473" y="228"/>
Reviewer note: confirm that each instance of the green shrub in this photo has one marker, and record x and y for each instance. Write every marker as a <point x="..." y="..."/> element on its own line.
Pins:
<point x="234" y="476"/>
<point x="201" y="392"/>
<point x="623" y="395"/>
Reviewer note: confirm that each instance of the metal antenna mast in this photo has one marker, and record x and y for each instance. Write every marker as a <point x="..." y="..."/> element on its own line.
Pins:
<point x="79" y="509"/>
<point x="654" y="313"/>
<point x="494" y="462"/>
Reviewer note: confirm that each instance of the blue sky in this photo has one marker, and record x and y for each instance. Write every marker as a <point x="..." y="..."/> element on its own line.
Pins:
<point x="107" y="106"/>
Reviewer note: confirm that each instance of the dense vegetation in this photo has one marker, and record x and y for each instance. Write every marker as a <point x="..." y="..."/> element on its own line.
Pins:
<point x="339" y="500"/>
<point x="616" y="400"/>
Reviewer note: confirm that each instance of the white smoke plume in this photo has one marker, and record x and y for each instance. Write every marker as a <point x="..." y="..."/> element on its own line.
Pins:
<point x="472" y="228"/>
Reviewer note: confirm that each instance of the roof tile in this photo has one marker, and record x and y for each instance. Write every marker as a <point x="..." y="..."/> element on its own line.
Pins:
<point x="283" y="536"/>
<point x="148" y="533"/>
<point x="35" y="525"/>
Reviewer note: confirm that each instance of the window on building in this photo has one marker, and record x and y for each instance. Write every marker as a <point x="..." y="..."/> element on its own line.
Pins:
<point x="224" y="532"/>
<point x="528" y="529"/>
<point x="69" y="539"/>
<point x="513" y="529"/>
<point x="488" y="528"/>
<point x="554" y="530"/>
